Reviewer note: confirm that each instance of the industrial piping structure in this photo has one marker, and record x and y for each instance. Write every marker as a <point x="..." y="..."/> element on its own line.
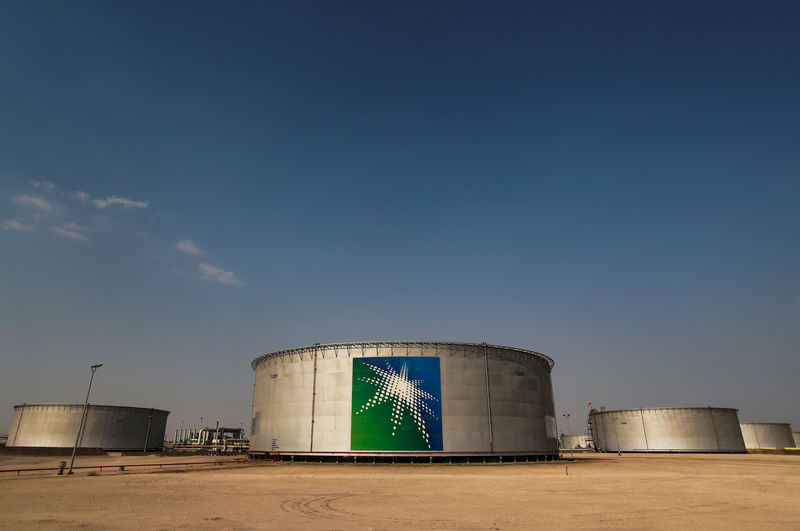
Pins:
<point x="767" y="435"/>
<point x="107" y="427"/>
<point x="184" y="436"/>
<point x="216" y="439"/>
<point x="398" y="398"/>
<point x="685" y="429"/>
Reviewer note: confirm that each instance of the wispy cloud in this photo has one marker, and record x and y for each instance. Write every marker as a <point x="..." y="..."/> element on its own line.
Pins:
<point x="124" y="202"/>
<point x="188" y="247"/>
<point x="13" y="224"/>
<point x="215" y="274"/>
<point x="69" y="234"/>
<point x="33" y="202"/>
<point x="73" y="226"/>
<point x="47" y="185"/>
<point x="81" y="196"/>
<point x="72" y="231"/>
<point x="109" y="201"/>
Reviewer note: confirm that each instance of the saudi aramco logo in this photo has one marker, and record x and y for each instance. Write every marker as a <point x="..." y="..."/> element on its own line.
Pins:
<point x="397" y="404"/>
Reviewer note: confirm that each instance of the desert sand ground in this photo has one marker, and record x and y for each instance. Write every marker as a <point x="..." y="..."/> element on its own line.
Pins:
<point x="601" y="491"/>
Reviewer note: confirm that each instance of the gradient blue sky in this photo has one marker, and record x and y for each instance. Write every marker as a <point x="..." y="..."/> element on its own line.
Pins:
<point x="613" y="184"/>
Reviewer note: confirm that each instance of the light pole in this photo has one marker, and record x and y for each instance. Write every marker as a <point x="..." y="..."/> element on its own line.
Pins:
<point x="83" y="417"/>
<point x="147" y="435"/>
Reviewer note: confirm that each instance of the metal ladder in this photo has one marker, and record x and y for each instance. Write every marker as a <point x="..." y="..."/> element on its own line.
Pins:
<point x="589" y="429"/>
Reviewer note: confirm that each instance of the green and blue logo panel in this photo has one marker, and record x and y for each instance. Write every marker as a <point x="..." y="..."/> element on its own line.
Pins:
<point x="397" y="404"/>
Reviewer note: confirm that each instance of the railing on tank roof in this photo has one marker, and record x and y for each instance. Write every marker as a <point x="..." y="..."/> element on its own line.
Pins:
<point x="399" y="344"/>
<point x="638" y="409"/>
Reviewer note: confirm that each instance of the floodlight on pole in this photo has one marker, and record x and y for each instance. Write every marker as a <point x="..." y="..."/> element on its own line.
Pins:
<point x="83" y="417"/>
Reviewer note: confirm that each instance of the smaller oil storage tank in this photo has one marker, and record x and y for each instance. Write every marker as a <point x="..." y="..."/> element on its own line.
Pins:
<point x="796" y="437"/>
<point x="117" y="428"/>
<point x="576" y="442"/>
<point x="668" y="429"/>
<point x="767" y="435"/>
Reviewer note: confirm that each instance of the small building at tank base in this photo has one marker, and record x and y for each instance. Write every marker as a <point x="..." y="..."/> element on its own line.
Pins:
<point x="667" y="430"/>
<point x="116" y="428"/>
<point x="576" y="442"/>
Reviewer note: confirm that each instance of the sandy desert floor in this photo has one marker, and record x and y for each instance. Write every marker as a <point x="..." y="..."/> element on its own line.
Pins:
<point x="601" y="491"/>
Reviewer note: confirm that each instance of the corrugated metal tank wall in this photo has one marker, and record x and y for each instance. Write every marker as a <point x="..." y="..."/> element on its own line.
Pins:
<point x="697" y="429"/>
<point x="106" y="427"/>
<point x="291" y="386"/>
<point x="767" y="435"/>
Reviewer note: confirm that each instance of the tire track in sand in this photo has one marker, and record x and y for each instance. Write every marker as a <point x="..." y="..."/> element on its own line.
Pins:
<point x="323" y="507"/>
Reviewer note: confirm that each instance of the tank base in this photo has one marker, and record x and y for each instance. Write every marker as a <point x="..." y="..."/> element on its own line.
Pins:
<point x="405" y="457"/>
<point x="673" y="451"/>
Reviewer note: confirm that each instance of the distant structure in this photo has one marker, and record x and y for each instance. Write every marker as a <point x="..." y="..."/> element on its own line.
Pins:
<point x="217" y="439"/>
<point x="796" y="437"/>
<point x="107" y="427"/>
<point x="219" y="435"/>
<point x="669" y="429"/>
<point x="398" y="399"/>
<point x="576" y="442"/>
<point x="184" y="436"/>
<point x="767" y="435"/>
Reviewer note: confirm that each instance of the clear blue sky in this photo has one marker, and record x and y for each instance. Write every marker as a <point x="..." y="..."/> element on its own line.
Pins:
<point x="185" y="186"/>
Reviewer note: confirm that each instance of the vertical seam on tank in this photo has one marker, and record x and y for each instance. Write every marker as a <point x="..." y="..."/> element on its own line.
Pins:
<point x="644" y="430"/>
<point x="714" y="425"/>
<point x="19" y="421"/>
<point x="313" y="401"/>
<point x="488" y="395"/>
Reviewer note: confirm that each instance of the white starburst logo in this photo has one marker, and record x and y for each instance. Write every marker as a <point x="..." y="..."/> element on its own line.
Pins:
<point x="405" y="395"/>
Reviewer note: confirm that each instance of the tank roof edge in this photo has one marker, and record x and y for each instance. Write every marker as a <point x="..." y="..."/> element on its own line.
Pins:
<point x="390" y="344"/>
<point x="39" y="404"/>
<point x="662" y="408"/>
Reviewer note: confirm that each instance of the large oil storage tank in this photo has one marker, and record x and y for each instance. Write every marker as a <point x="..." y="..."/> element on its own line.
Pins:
<point x="668" y="429"/>
<point x="767" y="435"/>
<point x="106" y="427"/>
<point x="403" y="399"/>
